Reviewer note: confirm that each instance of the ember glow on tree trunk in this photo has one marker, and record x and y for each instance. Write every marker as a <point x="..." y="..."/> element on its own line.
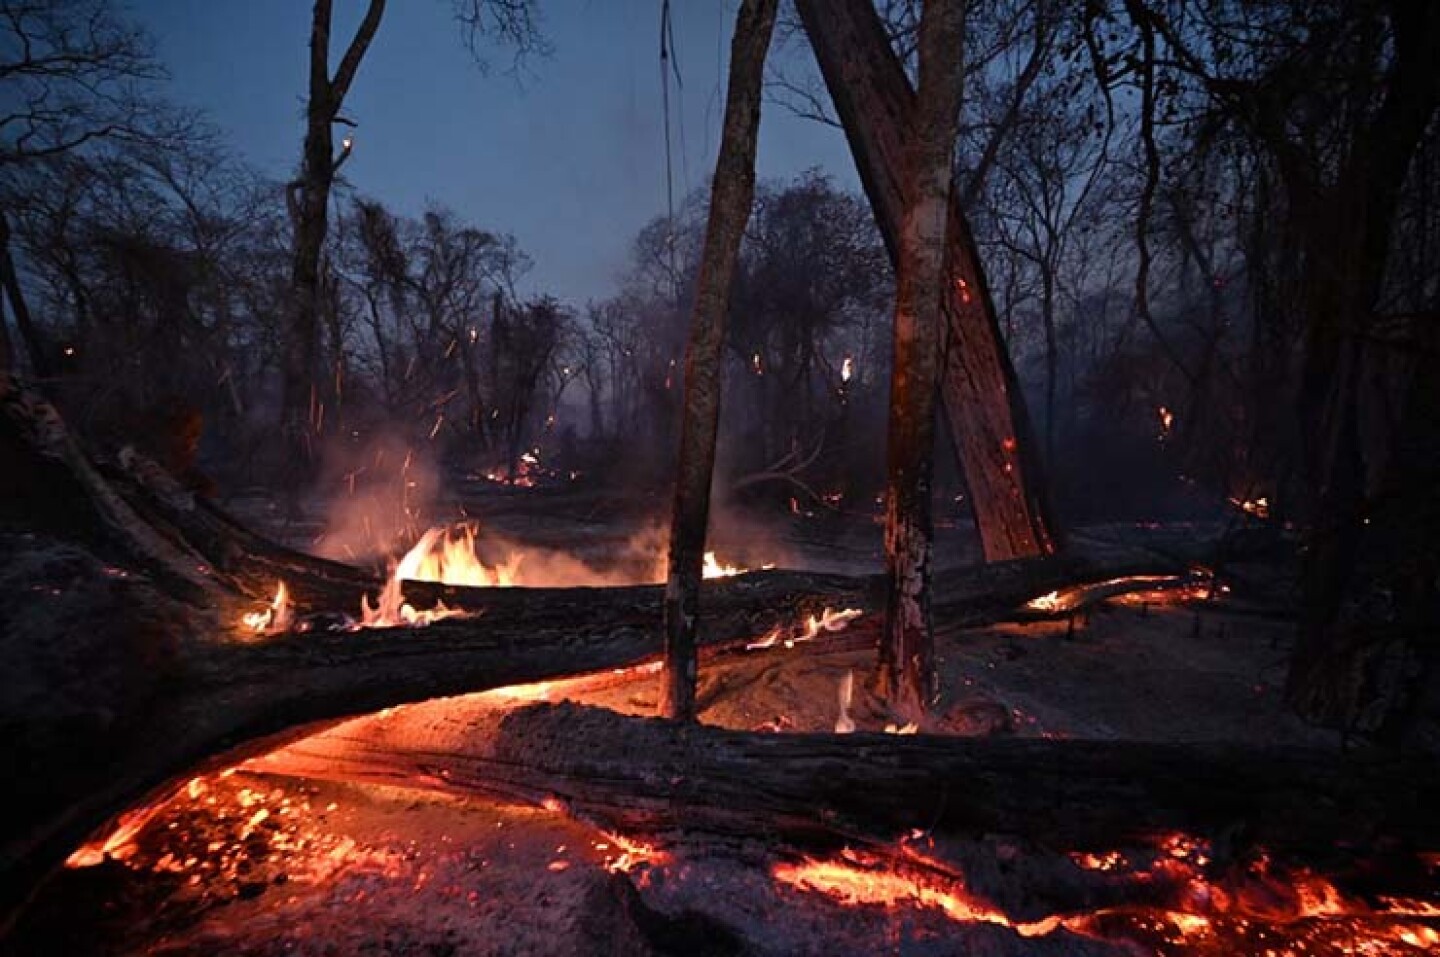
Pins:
<point x="984" y="408"/>
<point x="907" y="658"/>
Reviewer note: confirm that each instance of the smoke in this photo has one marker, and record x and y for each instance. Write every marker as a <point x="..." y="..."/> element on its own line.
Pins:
<point x="384" y="493"/>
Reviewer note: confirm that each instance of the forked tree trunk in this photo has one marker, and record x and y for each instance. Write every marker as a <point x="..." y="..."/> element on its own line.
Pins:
<point x="730" y="200"/>
<point x="906" y="672"/>
<point x="309" y="202"/>
<point x="983" y="404"/>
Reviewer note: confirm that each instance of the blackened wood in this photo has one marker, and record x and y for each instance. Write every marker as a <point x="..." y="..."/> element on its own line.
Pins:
<point x="644" y="777"/>
<point x="309" y="201"/>
<point x="905" y="671"/>
<point x="730" y="199"/>
<point x="983" y="404"/>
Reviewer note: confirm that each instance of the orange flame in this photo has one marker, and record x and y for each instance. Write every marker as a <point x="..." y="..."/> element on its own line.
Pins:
<point x="276" y="618"/>
<point x="858" y="880"/>
<point x="827" y="621"/>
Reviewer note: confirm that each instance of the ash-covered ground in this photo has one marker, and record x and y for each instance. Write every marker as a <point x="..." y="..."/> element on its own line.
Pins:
<point x="263" y="864"/>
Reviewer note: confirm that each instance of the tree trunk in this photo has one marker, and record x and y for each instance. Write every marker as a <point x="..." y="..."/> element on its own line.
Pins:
<point x="309" y="208"/>
<point x="730" y="200"/>
<point x="906" y="668"/>
<point x="984" y="407"/>
<point x="10" y="281"/>
<point x="646" y="778"/>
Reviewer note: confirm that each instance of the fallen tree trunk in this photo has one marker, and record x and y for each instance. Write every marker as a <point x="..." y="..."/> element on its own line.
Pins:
<point x="642" y="778"/>
<point x="126" y="667"/>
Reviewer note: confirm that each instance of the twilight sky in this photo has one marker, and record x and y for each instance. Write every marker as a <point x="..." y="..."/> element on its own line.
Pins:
<point x="569" y="157"/>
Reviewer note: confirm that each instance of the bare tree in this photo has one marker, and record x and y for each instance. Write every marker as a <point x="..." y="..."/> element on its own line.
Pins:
<point x="308" y="198"/>
<point x="730" y="199"/>
<point x="74" y="73"/>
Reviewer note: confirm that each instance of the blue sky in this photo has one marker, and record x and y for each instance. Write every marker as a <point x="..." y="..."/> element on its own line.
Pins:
<point x="569" y="156"/>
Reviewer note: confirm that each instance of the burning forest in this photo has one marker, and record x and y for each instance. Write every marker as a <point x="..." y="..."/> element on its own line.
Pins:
<point x="1011" y="531"/>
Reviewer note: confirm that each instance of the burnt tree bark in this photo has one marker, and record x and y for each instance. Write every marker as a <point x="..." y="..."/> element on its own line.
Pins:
<point x="126" y="668"/>
<point x="906" y="666"/>
<point x="730" y="201"/>
<point x="1070" y="795"/>
<point x="984" y="407"/>
<point x="309" y="198"/>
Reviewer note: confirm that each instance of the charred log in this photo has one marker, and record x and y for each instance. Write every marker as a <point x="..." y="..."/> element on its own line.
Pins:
<point x="642" y="777"/>
<point x="128" y="668"/>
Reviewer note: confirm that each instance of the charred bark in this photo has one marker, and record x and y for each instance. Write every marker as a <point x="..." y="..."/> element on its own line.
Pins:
<point x="983" y="404"/>
<point x="127" y="668"/>
<point x="730" y="201"/>
<point x="309" y="199"/>
<point x="807" y="788"/>
<point x="906" y="668"/>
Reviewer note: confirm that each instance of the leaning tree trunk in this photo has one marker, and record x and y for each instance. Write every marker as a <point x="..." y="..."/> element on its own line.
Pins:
<point x="730" y="199"/>
<point x="983" y="404"/>
<point x="309" y="201"/>
<point x="906" y="672"/>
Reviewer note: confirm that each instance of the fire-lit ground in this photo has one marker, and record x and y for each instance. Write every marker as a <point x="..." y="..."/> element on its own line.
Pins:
<point x="259" y="861"/>
<point x="264" y="863"/>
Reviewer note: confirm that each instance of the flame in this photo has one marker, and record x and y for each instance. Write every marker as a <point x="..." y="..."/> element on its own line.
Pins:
<point x="827" y="621"/>
<point x="391" y="610"/>
<point x="450" y="558"/>
<point x="276" y="618"/>
<point x="843" y="724"/>
<point x="847" y="369"/>
<point x="714" y="568"/>
<point x="1167" y="420"/>
<point x="1258" y="507"/>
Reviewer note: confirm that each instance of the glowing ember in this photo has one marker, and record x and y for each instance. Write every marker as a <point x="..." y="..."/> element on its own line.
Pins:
<point x="276" y="618"/>
<point x="119" y="844"/>
<point x="1167" y="420"/>
<point x="1067" y="598"/>
<point x="633" y="855"/>
<point x="1258" y="507"/>
<point x="858" y="880"/>
<point x="1050" y="601"/>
